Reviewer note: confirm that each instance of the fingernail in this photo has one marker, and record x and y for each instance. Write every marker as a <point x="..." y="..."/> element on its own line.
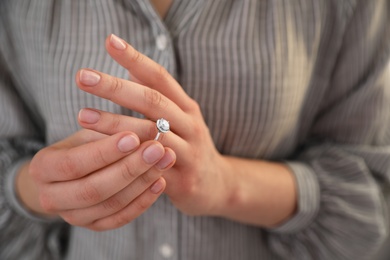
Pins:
<point x="153" y="153"/>
<point x="117" y="42"/>
<point x="157" y="186"/>
<point x="89" y="116"/>
<point x="89" y="78"/>
<point x="128" y="143"/>
<point x="168" y="158"/>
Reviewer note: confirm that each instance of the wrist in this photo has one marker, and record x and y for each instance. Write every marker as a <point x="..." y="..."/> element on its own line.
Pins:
<point x="256" y="192"/>
<point x="229" y="193"/>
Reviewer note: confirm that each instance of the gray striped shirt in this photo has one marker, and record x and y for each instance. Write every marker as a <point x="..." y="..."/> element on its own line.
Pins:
<point x="302" y="81"/>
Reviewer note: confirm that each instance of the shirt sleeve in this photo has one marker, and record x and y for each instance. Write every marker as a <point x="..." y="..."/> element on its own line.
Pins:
<point x="342" y="173"/>
<point x="22" y="235"/>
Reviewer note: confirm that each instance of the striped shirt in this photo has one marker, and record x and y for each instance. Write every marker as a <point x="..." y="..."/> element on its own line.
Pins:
<point x="305" y="82"/>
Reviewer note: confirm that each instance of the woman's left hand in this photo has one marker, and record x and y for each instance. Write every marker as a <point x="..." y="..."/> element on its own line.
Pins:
<point x="195" y="184"/>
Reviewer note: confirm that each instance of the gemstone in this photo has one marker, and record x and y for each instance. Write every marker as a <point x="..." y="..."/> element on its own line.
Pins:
<point x="162" y="125"/>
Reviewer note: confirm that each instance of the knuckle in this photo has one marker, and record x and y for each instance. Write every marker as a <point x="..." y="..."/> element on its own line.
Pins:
<point x="189" y="188"/>
<point x="137" y="57"/>
<point x="99" y="157"/>
<point x="128" y="171"/>
<point x="88" y="193"/>
<point x="68" y="166"/>
<point x="154" y="99"/>
<point x="190" y="191"/>
<point x="116" y="87"/>
<point x="146" y="178"/>
<point x="196" y="129"/>
<point x="115" y="122"/>
<point x="112" y="203"/>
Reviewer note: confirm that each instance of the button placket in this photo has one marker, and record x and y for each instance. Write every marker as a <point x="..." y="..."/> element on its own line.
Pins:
<point x="166" y="250"/>
<point x="161" y="42"/>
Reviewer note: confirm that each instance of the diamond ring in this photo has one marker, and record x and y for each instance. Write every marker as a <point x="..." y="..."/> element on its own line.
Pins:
<point x="162" y="127"/>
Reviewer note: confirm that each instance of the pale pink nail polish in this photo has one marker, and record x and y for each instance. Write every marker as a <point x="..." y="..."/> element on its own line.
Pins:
<point x="168" y="158"/>
<point x="89" y="78"/>
<point x="117" y="42"/>
<point x="153" y="153"/>
<point x="157" y="187"/>
<point x="89" y="116"/>
<point x="128" y="143"/>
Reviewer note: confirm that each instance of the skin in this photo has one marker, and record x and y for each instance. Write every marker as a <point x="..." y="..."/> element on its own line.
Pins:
<point x="69" y="179"/>
<point x="197" y="178"/>
<point x="161" y="6"/>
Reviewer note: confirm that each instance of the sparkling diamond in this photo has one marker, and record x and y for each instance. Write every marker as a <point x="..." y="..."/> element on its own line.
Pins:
<point x="162" y="125"/>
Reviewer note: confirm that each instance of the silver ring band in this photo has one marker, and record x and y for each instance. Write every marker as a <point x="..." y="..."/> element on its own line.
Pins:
<point x="162" y="127"/>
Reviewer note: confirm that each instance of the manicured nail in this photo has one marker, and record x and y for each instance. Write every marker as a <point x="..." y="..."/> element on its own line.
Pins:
<point x="128" y="143"/>
<point x="117" y="42"/>
<point x="89" y="78"/>
<point x="89" y="116"/>
<point x="157" y="187"/>
<point x="153" y="153"/>
<point x="168" y="158"/>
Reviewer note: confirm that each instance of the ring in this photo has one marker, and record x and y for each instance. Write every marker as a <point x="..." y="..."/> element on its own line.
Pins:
<point x="162" y="127"/>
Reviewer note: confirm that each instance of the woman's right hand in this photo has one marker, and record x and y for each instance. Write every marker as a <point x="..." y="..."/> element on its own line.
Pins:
<point x="96" y="181"/>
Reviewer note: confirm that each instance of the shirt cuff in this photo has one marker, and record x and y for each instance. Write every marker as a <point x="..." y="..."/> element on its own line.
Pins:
<point x="308" y="193"/>
<point x="13" y="199"/>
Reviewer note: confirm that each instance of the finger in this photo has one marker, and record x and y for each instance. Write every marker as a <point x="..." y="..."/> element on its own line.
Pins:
<point x="110" y="123"/>
<point x="133" y="210"/>
<point x="167" y="161"/>
<point x="86" y="216"/>
<point x="77" y="162"/>
<point x="147" y="71"/>
<point x="79" y="138"/>
<point x="134" y="79"/>
<point x="133" y="96"/>
<point x="104" y="183"/>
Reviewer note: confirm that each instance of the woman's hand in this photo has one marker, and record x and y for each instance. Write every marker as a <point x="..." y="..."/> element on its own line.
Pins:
<point x="195" y="184"/>
<point x="202" y="181"/>
<point x="96" y="181"/>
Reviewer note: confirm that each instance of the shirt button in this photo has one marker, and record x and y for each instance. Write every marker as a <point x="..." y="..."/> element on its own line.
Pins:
<point x="166" y="250"/>
<point x="161" y="42"/>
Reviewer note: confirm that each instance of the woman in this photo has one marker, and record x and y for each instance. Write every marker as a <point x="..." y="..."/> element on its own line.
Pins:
<point x="279" y="118"/>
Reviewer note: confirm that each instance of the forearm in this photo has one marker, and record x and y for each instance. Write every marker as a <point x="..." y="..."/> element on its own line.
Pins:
<point x="257" y="192"/>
